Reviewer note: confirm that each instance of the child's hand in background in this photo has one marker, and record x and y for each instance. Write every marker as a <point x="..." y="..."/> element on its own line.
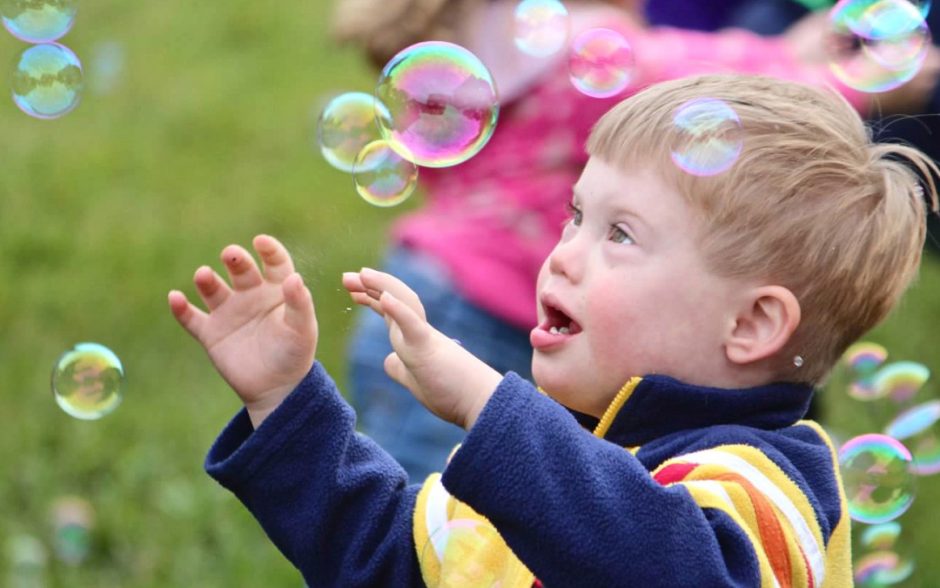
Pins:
<point x="260" y="332"/>
<point x="449" y="380"/>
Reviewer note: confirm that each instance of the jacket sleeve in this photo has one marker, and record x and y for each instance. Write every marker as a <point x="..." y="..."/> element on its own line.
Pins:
<point x="334" y="503"/>
<point x="581" y="511"/>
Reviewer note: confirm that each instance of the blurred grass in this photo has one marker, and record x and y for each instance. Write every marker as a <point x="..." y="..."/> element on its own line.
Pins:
<point x="205" y="139"/>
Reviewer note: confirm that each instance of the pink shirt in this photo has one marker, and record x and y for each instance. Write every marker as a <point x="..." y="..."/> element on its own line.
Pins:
<point x="494" y="219"/>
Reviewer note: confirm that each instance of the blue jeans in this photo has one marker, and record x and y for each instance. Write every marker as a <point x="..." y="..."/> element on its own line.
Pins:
<point x="387" y="411"/>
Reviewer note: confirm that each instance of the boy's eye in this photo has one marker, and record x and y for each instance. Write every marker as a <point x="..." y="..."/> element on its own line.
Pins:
<point x="618" y="235"/>
<point x="575" y="213"/>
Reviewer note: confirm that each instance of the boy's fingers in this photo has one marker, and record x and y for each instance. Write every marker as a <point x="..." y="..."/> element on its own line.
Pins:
<point x="278" y="264"/>
<point x="298" y="308"/>
<point x="376" y="282"/>
<point x="210" y="287"/>
<point x="243" y="272"/>
<point x="413" y="327"/>
<point x="352" y="282"/>
<point x="397" y="371"/>
<point x="191" y="318"/>
<point x="364" y="299"/>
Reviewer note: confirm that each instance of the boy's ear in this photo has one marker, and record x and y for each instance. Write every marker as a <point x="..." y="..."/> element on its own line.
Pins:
<point x="763" y="325"/>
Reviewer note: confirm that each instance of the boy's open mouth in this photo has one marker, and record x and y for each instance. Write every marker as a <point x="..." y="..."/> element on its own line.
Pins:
<point x="556" y="328"/>
<point x="558" y="323"/>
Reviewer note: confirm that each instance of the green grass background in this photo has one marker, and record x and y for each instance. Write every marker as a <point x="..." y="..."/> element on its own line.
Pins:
<point x="205" y="139"/>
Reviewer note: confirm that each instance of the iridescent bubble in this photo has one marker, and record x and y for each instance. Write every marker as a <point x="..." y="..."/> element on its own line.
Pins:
<point x="914" y="420"/>
<point x="915" y="426"/>
<point x="38" y="21"/>
<point x="541" y="27"/>
<point x="709" y="138"/>
<point x="881" y="537"/>
<point x="900" y="380"/>
<point x="462" y="551"/>
<point x="107" y="67"/>
<point x="346" y="125"/>
<point x="878" y="483"/>
<point x="383" y="177"/>
<point x="72" y="523"/>
<point x="876" y="45"/>
<point x="882" y="568"/>
<point x="26" y="561"/>
<point x="47" y="81"/>
<point x="601" y="63"/>
<point x="442" y="103"/>
<point x="863" y="359"/>
<point x="88" y="381"/>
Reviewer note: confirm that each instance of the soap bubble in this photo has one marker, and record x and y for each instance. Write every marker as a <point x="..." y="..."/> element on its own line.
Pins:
<point x="38" y="21"/>
<point x="915" y="426"/>
<point x="876" y="45"/>
<point x="346" y="125"/>
<point x="882" y="568"/>
<point x="47" y="81"/>
<point x="541" y="27"/>
<point x="863" y="359"/>
<point x="601" y="63"/>
<point x="88" y="381"/>
<point x="709" y="139"/>
<point x="442" y="103"/>
<point x="900" y="380"/>
<point x="383" y="177"/>
<point x="878" y="482"/>
<point x="72" y="523"/>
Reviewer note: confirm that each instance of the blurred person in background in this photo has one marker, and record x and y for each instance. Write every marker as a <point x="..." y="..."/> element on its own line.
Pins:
<point x="473" y="251"/>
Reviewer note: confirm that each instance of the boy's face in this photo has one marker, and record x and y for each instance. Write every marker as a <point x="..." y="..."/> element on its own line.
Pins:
<point x="628" y="282"/>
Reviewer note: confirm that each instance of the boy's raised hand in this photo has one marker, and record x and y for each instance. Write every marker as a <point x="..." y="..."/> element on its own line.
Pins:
<point x="260" y="332"/>
<point x="449" y="380"/>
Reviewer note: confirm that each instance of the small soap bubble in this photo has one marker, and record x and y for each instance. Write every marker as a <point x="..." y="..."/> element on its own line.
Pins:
<point x="709" y="139"/>
<point x="442" y="103"/>
<point x="876" y="475"/>
<point x="876" y="45"/>
<point x="27" y="559"/>
<point x="346" y="125"/>
<point x="38" y="21"/>
<point x="881" y="537"/>
<point x="88" y="381"/>
<point x="541" y="27"/>
<point x="916" y="427"/>
<point x="461" y="551"/>
<point x="47" y="81"/>
<point x="900" y="380"/>
<point x="107" y="67"/>
<point x="601" y="63"/>
<point x="863" y="360"/>
<point x="383" y="177"/>
<point x="882" y="568"/>
<point x="73" y="519"/>
<point x="914" y="420"/>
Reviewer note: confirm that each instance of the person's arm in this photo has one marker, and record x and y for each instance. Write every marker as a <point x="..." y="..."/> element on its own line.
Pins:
<point x="331" y="500"/>
<point x="335" y="504"/>
<point x="580" y="511"/>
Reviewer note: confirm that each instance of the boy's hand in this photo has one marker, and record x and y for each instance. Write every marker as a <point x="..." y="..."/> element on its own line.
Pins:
<point x="260" y="332"/>
<point x="444" y="376"/>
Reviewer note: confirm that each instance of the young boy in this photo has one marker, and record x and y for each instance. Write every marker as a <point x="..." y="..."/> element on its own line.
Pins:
<point x="683" y="323"/>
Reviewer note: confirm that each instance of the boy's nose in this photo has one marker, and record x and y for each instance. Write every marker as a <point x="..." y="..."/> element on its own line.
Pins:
<point x="567" y="259"/>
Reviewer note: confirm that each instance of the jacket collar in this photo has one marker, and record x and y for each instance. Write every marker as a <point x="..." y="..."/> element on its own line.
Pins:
<point x="654" y="406"/>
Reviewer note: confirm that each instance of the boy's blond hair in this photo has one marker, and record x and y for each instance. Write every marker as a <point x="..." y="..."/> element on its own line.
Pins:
<point x="810" y="204"/>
